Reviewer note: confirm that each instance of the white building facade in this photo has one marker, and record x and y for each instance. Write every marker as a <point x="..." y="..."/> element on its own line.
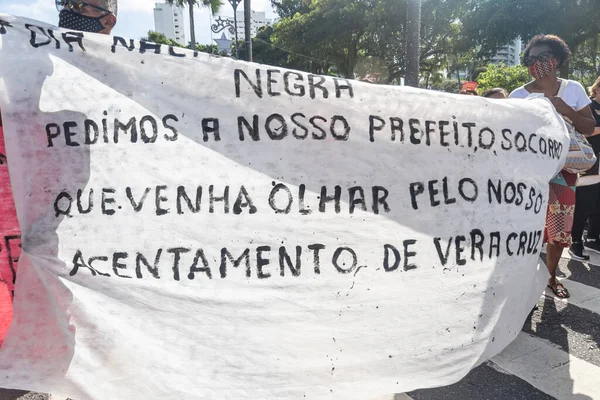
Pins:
<point x="259" y="20"/>
<point x="168" y="20"/>
<point x="509" y="55"/>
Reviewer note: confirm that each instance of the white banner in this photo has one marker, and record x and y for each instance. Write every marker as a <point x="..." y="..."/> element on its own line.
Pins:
<point x="198" y="227"/>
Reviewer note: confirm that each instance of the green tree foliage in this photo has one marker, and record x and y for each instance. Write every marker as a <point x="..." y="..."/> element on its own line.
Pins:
<point x="494" y="23"/>
<point x="351" y="33"/>
<point x="333" y="31"/>
<point x="264" y="51"/>
<point x="431" y="79"/>
<point x="440" y="31"/>
<point x="385" y="40"/>
<point x="213" y="5"/>
<point x="585" y="64"/>
<point x="445" y="85"/>
<point x="287" y="8"/>
<point x="208" y="48"/>
<point x="156" y="37"/>
<point x="468" y="62"/>
<point x="502" y="76"/>
<point x="159" y="38"/>
<point x="441" y="47"/>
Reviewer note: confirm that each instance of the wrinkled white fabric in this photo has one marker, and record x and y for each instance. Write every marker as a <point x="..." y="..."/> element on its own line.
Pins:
<point x="133" y="296"/>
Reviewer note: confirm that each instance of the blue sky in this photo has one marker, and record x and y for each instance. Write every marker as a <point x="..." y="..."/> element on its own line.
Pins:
<point x="135" y="16"/>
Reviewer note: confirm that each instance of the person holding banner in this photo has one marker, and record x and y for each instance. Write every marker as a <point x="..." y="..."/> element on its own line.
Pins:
<point x="96" y="16"/>
<point x="544" y="56"/>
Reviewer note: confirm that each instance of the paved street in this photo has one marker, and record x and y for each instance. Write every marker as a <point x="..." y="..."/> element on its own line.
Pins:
<point x="556" y="356"/>
<point x="19" y="395"/>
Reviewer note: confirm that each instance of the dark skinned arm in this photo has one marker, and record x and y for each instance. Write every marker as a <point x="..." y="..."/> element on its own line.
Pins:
<point x="583" y="120"/>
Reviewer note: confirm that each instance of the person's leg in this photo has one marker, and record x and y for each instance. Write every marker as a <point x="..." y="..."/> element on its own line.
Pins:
<point x="559" y="224"/>
<point x="593" y="233"/>
<point x="553" y="255"/>
<point x="594" y="225"/>
<point x="585" y="203"/>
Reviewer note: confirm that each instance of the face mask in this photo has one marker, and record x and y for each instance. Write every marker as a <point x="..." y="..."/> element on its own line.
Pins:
<point x="541" y="69"/>
<point x="71" y="20"/>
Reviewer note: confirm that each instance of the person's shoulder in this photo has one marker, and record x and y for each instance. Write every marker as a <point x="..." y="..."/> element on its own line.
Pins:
<point x="575" y="86"/>
<point x="519" y="93"/>
<point x="574" y="83"/>
<point x="577" y="95"/>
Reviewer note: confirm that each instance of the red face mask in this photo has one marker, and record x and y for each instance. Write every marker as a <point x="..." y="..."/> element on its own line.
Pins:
<point x="541" y="69"/>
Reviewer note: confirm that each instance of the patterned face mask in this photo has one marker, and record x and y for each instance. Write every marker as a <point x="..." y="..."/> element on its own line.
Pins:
<point x="542" y="68"/>
<point x="71" y="20"/>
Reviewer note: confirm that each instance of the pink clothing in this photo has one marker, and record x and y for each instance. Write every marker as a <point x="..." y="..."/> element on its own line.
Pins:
<point x="10" y="243"/>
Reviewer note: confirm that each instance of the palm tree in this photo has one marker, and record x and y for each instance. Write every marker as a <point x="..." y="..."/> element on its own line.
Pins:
<point x="214" y="5"/>
<point x="413" y="34"/>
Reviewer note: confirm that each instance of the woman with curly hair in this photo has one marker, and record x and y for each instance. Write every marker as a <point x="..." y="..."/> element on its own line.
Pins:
<point x="544" y="56"/>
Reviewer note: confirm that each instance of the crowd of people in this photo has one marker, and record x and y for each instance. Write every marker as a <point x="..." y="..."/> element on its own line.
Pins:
<point x="570" y="209"/>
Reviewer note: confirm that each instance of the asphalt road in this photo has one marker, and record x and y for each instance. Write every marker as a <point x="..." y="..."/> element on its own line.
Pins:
<point x="556" y="356"/>
<point x="6" y="394"/>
